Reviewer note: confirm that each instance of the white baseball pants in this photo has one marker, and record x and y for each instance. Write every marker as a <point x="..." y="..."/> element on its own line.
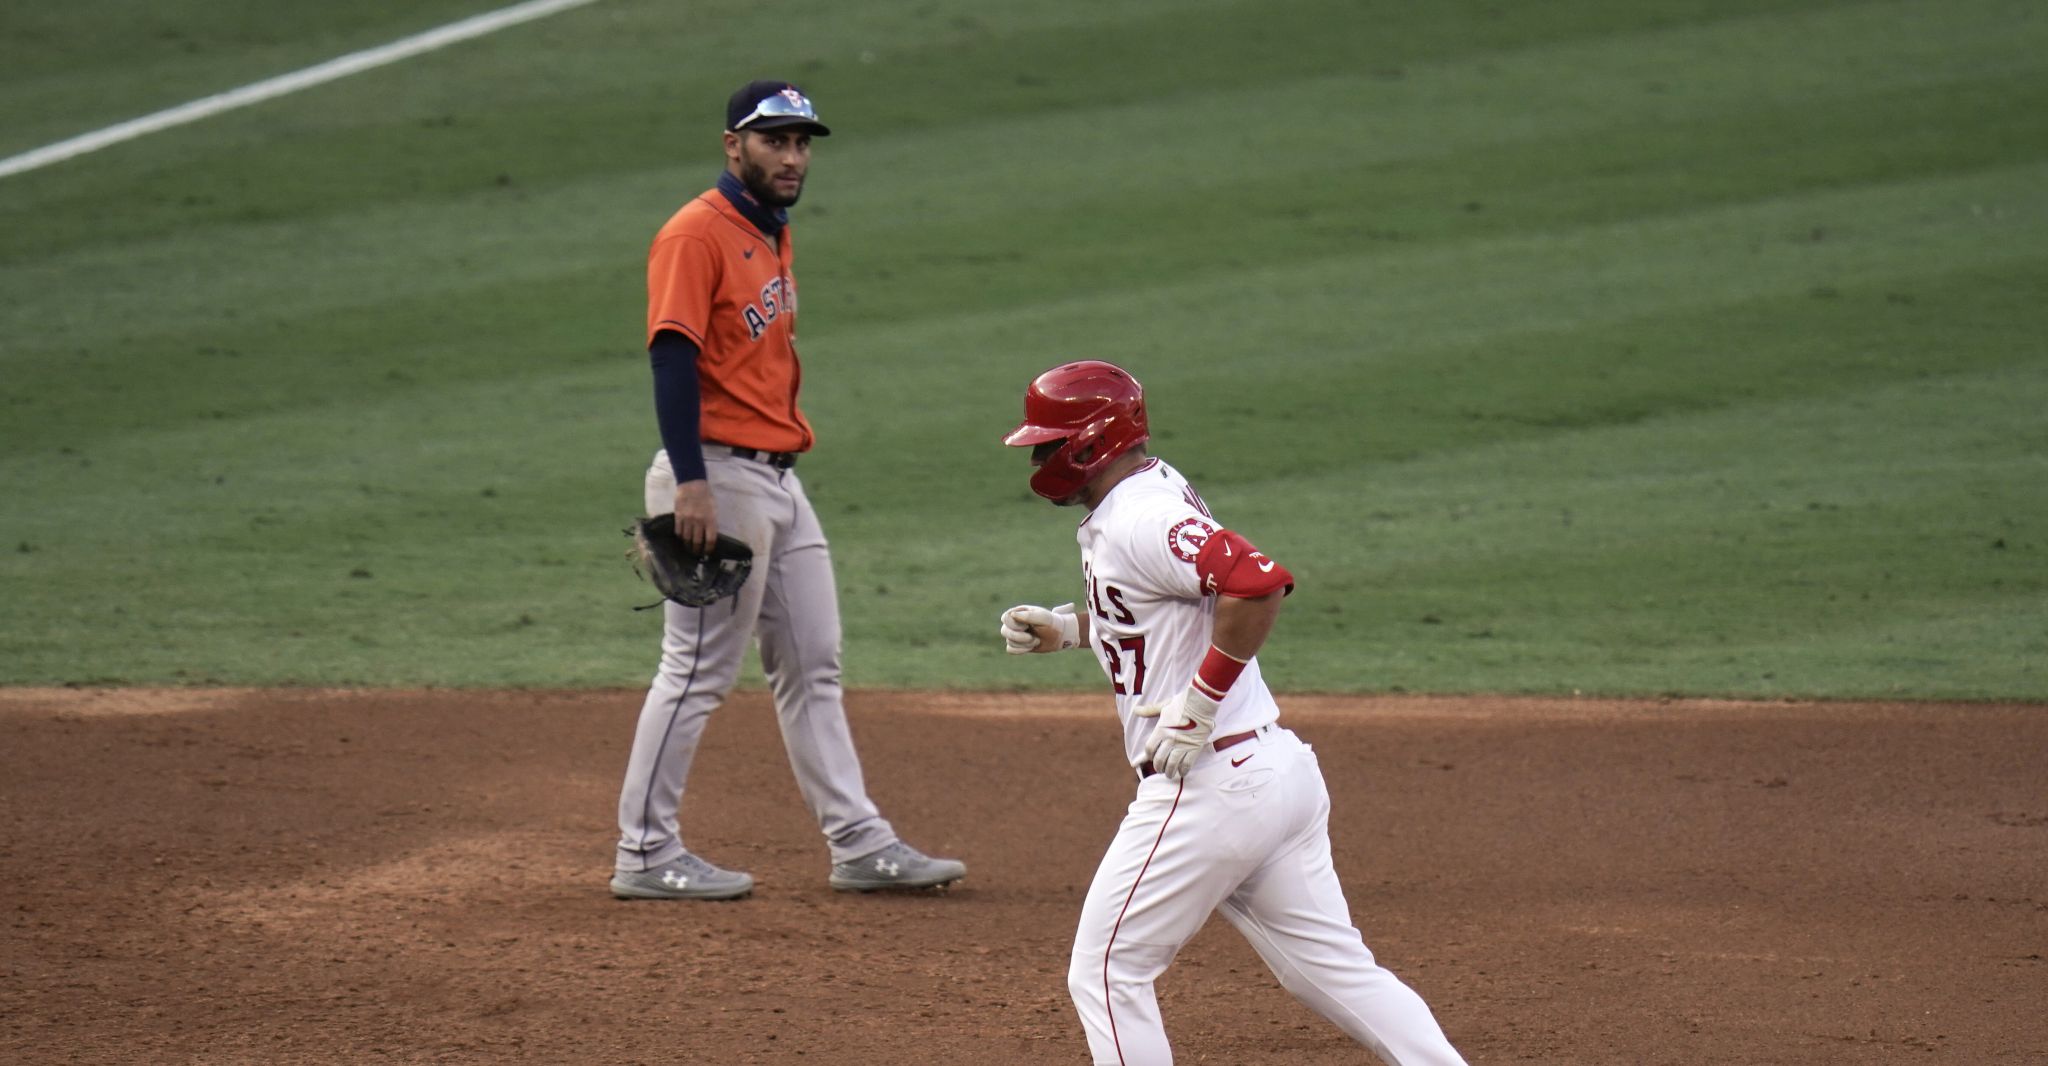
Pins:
<point x="790" y="603"/>
<point x="1253" y="841"/>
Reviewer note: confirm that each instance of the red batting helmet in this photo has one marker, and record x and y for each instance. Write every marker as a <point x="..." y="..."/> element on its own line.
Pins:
<point x="1097" y="409"/>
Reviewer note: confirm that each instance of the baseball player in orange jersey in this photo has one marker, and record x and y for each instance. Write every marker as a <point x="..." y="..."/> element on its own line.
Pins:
<point x="1231" y="812"/>
<point x="721" y="336"/>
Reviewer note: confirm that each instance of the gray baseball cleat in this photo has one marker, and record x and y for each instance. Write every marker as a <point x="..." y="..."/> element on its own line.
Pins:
<point x="897" y="866"/>
<point x="683" y="877"/>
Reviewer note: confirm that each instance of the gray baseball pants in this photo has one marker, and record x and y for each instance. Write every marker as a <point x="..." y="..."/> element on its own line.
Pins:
<point x="789" y="603"/>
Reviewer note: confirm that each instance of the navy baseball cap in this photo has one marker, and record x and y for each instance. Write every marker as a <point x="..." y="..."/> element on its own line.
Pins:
<point x="772" y="105"/>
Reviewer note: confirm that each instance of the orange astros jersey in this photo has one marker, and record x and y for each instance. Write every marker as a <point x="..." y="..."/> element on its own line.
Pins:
<point x="714" y="278"/>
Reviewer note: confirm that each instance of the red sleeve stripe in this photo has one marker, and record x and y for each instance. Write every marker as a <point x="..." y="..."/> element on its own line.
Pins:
<point x="1218" y="672"/>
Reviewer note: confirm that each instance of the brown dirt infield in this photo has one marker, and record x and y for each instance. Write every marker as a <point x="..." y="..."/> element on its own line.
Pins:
<point x="318" y="876"/>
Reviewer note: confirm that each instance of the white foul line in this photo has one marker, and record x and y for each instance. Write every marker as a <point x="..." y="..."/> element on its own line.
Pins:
<point x="354" y="62"/>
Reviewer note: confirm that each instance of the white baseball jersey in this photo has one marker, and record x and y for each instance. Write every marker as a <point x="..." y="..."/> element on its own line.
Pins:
<point x="1150" y="618"/>
<point x="1245" y="833"/>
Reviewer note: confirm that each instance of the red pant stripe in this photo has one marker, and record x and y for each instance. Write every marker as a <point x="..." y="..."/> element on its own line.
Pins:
<point x="1108" y="1003"/>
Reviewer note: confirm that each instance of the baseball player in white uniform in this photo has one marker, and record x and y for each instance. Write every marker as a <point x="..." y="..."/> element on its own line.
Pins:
<point x="1231" y="812"/>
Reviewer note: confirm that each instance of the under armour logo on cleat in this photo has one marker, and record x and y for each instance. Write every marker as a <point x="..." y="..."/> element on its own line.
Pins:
<point x="887" y="867"/>
<point x="674" y="880"/>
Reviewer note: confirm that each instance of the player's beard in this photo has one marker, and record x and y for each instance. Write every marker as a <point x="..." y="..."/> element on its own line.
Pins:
<point x="755" y="177"/>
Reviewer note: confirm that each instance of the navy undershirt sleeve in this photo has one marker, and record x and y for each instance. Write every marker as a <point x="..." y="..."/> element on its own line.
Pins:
<point x="677" y="402"/>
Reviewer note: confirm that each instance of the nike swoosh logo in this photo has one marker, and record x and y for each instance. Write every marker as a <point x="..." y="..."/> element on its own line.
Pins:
<point x="1234" y="763"/>
<point x="747" y="254"/>
<point x="1182" y="728"/>
<point x="1265" y="566"/>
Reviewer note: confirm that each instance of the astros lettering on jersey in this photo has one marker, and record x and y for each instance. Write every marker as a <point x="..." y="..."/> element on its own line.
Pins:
<point x="714" y="278"/>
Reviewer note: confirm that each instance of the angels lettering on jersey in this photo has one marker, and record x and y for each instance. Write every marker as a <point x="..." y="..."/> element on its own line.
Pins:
<point x="1151" y="608"/>
<point x="1124" y="657"/>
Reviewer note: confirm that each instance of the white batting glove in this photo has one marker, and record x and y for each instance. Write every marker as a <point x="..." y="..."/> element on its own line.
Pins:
<point x="1185" y="723"/>
<point x="1028" y="629"/>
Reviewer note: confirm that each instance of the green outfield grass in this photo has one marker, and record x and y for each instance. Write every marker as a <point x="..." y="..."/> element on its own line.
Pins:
<point x="1620" y="346"/>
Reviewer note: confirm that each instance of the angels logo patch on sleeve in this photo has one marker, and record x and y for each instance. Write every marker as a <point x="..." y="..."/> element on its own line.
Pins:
<point x="1187" y="538"/>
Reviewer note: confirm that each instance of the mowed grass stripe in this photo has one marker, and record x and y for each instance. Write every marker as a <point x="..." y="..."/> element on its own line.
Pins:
<point x="921" y="72"/>
<point x="1369" y="306"/>
<point x="451" y="246"/>
<point x="358" y="480"/>
<point x="1288" y="340"/>
<point x="1467" y="75"/>
<point x="1779" y="546"/>
<point x="474" y="246"/>
<point x="1470" y="550"/>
